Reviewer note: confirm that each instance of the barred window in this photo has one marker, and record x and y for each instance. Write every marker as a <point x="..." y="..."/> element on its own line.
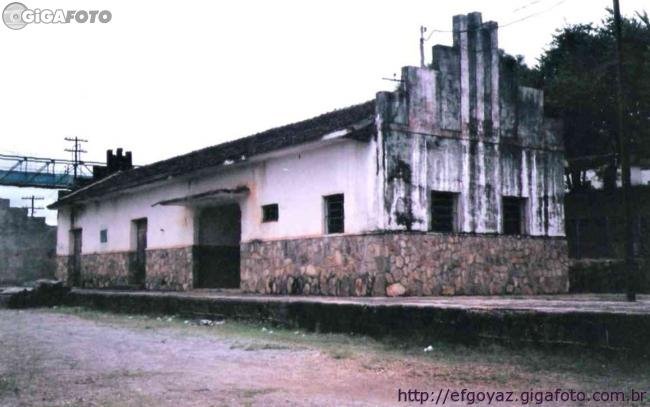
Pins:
<point x="334" y="215"/>
<point x="513" y="215"/>
<point x="270" y="213"/>
<point x="443" y="211"/>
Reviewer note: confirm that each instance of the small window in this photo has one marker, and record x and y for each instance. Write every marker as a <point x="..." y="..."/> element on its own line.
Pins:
<point x="103" y="236"/>
<point x="270" y="213"/>
<point x="334" y="215"/>
<point x="443" y="211"/>
<point x="513" y="215"/>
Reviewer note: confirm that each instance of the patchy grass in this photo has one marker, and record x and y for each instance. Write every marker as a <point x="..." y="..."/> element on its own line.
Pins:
<point x="8" y="384"/>
<point x="247" y="396"/>
<point x="489" y="365"/>
<point x="244" y="335"/>
<point x="341" y="353"/>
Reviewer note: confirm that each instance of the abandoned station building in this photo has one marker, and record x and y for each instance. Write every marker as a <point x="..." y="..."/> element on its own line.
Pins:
<point x="451" y="184"/>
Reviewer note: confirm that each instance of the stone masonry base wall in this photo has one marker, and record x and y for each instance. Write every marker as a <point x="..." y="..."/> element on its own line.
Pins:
<point x="358" y="265"/>
<point x="406" y="264"/>
<point x="103" y="270"/>
<point x="166" y="269"/>
<point x="62" y="264"/>
<point x="171" y="269"/>
<point x="98" y="270"/>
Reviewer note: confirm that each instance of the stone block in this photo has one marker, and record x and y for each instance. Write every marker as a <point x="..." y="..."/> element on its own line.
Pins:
<point x="395" y="290"/>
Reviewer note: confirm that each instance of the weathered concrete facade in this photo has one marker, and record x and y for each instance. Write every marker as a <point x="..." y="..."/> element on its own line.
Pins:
<point x="27" y="246"/>
<point x="350" y="202"/>
<point x="465" y="126"/>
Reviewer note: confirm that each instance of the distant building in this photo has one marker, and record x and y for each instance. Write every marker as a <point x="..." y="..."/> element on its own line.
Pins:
<point x="451" y="184"/>
<point x="639" y="175"/>
<point x="27" y="246"/>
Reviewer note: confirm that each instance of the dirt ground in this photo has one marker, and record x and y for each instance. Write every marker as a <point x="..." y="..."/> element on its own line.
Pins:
<point x="75" y="357"/>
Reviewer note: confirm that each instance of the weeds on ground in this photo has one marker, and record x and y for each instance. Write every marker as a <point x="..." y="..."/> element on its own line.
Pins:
<point x="485" y="363"/>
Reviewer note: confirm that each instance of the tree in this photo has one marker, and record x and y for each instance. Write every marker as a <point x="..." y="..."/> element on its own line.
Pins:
<point x="577" y="74"/>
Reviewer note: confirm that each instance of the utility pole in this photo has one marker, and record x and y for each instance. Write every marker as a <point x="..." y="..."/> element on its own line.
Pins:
<point x="624" y="154"/>
<point x="31" y="207"/>
<point x="76" y="153"/>
<point x="423" y="29"/>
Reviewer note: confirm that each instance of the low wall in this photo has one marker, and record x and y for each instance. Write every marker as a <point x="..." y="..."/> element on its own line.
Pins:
<point x="606" y="276"/>
<point x="406" y="264"/>
<point x="411" y="324"/>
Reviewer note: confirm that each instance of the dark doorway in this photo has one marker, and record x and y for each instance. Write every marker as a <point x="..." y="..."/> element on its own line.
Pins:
<point x="75" y="268"/>
<point x="139" y="267"/>
<point x="218" y="247"/>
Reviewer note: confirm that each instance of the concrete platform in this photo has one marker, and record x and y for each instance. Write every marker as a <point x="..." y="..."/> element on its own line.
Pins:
<point x="588" y="303"/>
<point x="593" y="321"/>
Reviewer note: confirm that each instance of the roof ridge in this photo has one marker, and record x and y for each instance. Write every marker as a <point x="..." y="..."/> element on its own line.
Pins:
<point x="251" y="136"/>
<point x="276" y="138"/>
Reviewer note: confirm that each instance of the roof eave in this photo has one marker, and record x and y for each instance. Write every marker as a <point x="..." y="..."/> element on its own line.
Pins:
<point x="360" y="131"/>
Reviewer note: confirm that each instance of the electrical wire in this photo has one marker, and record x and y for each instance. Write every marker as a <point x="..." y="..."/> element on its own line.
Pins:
<point x="508" y="24"/>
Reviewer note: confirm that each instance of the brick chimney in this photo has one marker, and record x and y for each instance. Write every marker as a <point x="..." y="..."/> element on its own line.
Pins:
<point x="120" y="161"/>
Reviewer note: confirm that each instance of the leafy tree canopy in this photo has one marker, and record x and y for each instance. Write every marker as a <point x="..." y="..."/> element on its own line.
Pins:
<point x="578" y="75"/>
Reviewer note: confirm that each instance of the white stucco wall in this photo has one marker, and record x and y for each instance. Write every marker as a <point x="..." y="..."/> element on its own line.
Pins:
<point x="296" y="180"/>
<point x="168" y="226"/>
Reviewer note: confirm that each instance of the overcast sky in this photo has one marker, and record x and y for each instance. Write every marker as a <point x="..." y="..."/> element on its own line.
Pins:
<point x="164" y="78"/>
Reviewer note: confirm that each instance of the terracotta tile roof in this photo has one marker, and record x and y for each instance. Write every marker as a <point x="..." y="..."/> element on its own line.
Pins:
<point x="267" y="141"/>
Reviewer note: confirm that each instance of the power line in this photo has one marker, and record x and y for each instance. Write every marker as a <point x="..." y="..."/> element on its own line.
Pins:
<point x="31" y="207"/>
<point x="76" y="153"/>
<point x="525" y="6"/>
<point x="508" y="24"/>
<point x="559" y="3"/>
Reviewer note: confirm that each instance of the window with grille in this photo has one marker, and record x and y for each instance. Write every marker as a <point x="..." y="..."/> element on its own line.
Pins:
<point x="103" y="236"/>
<point x="513" y="215"/>
<point x="334" y="215"/>
<point x="443" y="211"/>
<point x="270" y="213"/>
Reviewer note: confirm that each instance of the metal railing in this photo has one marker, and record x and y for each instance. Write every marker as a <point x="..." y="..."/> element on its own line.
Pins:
<point x="26" y="171"/>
